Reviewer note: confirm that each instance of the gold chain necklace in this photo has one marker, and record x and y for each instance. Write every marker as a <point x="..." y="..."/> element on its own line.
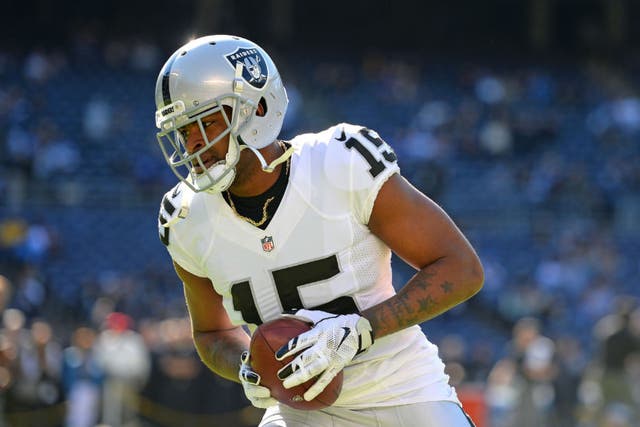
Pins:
<point x="265" y="214"/>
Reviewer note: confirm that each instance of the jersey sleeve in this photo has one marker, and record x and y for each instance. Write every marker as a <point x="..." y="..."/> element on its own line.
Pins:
<point x="174" y="208"/>
<point x="359" y="162"/>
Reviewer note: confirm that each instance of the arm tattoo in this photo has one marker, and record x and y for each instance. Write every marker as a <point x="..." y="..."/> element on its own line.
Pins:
<point x="426" y="303"/>
<point x="421" y="299"/>
<point x="447" y="287"/>
<point x="422" y="279"/>
<point x="401" y="310"/>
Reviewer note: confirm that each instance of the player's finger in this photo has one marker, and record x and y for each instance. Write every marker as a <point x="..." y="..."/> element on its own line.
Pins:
<point x="264" y="403"/>
<point x="250" y="376"/>
<point x="304" y="360"/>
<point x="320" y="384"/>
<point x="260" y="392"/>
<point x="297" y="344"/>
<point x="304" y="371"/>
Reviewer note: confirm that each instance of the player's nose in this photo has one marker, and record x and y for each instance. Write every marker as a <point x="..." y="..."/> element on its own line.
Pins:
<point x="194" y="141"/>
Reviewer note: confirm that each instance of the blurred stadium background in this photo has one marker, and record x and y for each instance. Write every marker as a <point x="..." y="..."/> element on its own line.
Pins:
<point x="521" y="118"/>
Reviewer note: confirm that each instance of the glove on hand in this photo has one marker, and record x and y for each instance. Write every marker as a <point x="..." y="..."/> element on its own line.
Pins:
<point x="258" y="395"/>
<point x="328" y="347"/>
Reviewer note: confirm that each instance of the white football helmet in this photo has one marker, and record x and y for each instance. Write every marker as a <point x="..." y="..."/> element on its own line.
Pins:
<point x="199" y="79"/>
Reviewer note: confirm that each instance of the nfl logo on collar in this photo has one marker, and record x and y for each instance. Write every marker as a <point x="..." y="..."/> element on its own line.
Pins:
<point x="267" y="243"/>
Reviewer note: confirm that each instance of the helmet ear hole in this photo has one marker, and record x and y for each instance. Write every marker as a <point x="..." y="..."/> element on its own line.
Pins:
<point x="261" y="111"/>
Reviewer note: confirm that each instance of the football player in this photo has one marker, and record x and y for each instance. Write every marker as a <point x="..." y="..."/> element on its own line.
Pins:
<point x="258" y="227"/>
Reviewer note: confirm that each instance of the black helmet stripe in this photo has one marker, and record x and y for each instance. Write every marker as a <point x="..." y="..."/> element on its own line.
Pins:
<point x="166" y="95"/>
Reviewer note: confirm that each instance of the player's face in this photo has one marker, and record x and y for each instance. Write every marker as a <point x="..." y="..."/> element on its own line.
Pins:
<point x="213" y="124"/>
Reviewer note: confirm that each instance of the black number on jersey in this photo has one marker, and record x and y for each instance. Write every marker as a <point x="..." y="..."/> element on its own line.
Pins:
<point x="377" y="166"/>
<point x="287" y="281"/>
<point x="167" y="209"/>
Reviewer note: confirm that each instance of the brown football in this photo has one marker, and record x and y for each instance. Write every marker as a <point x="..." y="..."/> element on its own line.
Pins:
<point x="266" y="340"/>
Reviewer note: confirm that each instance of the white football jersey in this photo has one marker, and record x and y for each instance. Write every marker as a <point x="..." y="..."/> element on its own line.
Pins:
<point x="316" y="253"/>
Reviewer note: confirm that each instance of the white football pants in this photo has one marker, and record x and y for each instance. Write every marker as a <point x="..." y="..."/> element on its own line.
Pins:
<point x="428" y="414"/>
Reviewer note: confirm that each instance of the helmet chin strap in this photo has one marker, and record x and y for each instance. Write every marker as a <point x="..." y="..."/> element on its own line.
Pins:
<point x="271" y="166"/>
<point x="225" y="176"/>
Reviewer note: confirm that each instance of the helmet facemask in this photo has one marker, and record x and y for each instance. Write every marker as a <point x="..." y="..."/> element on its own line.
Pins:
<point x="191" y="167"/>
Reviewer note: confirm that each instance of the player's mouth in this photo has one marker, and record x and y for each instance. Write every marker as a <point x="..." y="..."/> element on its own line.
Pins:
<point x="208" y="163"/>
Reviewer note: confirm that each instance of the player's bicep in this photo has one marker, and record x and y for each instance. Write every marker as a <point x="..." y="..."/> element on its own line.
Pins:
<point x="413" y="225"/>
<point x="204" y="303"/>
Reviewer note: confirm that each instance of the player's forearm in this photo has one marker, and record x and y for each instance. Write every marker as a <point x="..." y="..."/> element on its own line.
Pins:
<point x="431" y="291"/>
<point x="221" y="350"/>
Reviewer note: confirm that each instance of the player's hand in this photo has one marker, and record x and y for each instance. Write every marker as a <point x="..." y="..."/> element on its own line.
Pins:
<point x="328" y="347"/>
<point x="258" y="395"/>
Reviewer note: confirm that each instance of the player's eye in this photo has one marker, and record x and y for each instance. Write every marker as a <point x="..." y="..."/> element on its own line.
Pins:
<point x="184" y="132"/>
<point x="208" y="123"/>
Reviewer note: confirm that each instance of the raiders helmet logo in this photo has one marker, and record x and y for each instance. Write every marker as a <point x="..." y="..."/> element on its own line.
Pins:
<point x="254" y="69"/>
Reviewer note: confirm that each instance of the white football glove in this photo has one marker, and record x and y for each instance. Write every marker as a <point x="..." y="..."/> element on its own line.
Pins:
<point x="258" y="395"/>
<point x="328" y="347"/>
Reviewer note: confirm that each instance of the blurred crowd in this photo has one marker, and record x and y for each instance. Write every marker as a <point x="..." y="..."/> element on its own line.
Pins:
<point x="538" y="163"/>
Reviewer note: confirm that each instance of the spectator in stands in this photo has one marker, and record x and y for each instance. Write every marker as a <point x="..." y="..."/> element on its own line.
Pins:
<point x="571" y="360"/>
<point x="125" y="359"/>
<point x="618" y="341"/>
<point x="97" y="119"/>
<point x="34" y="362"/>
<point x="40" y="241"/>
<point x="20" y="145"/>
<point x="56" y="155"/>
<point x="30" y="290"/>
<point x="533" y="355"/>
<point x="503" y="393"/>
<point x="82" y="378"/>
